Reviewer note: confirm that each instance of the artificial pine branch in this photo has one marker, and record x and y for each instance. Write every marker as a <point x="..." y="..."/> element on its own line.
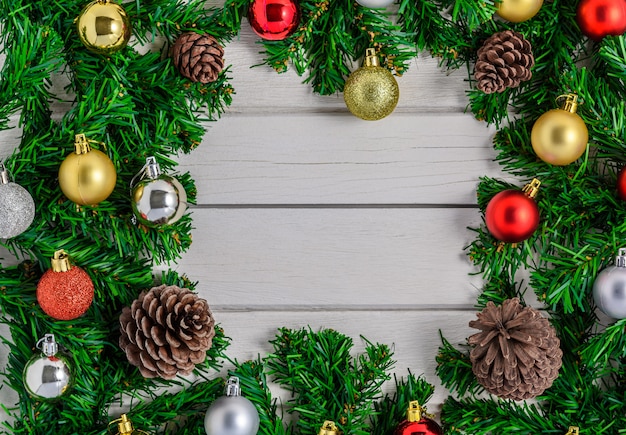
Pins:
<point x="332" y="35"/>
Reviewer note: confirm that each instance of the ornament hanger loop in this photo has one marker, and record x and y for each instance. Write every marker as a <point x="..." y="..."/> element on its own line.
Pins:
<point x="569" y="101"/>
<point x="573" y="430"/>
<point x="232" y="386"/>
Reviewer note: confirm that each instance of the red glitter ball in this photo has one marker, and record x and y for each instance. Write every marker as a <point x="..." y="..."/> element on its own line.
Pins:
<point x="65" y="295"/>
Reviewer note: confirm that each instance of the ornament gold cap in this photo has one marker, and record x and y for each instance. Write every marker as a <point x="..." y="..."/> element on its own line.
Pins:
<point x="4" y="174"/>
<point x="573" y="430"/>
<point x="532" y="188"/>
<point x="47" y="345"/>
<point x="232" y="386"/>
<point x="81" y="144"/>
<point x="329" y="428"/>
<point x="570" y="102"/>
<point x="371" y="58"/>
<point x="414" y="412"/>
<point x="125" y="426"/>
<point x="61" y="261"/>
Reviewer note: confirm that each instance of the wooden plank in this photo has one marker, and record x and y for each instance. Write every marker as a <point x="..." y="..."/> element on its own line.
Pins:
<point x="407" y="159"/>
<point x="425" y="88"/>
<point x="332" y="258"/>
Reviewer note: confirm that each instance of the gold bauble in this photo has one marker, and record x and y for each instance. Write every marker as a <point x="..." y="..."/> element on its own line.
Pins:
<point x="103" y="27"/>
<point x="560" y="136"/>
<point x="517" y="11"/>
<point x="371" y="92"/>
<point x="87" y="176"/>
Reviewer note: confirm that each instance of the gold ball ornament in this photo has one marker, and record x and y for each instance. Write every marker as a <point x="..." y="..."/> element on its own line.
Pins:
<point x="87" y="176"/>
<point x="517" y="11"/>
<point x="560" y="136"/>
<point x="103" y="27"/>
<point x="371" y="92"/>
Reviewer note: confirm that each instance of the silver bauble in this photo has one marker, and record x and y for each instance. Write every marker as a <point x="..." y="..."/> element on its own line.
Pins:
<point x="17" y="208"/>
<point x="47" y="376"/>
<point x="232" y="414"/>
<point x="609" y="289"/>
<point x="157" y="199"/>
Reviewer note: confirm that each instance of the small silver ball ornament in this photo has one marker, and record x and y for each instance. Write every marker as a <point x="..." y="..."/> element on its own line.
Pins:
<point x="17" y="208"/>
<point x="232" y="414"/>
<point x="157" y="199"/>
<point x="609" y="288"/>
<point x="47" y="376"/>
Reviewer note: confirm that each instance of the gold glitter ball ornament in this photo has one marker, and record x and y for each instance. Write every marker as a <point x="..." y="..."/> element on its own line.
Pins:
<point x="87" y="176"/>
<point x="517" y="11"/>
<point x="371" y="92"/>
<point x="103" y="27"/>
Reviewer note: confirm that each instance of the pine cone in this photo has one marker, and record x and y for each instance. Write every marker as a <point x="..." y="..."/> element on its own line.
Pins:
<point x="504" y="61"/>
<point x="198" y="57"/>
<point x="166" y="331"/>
<point x="517" y="352"/>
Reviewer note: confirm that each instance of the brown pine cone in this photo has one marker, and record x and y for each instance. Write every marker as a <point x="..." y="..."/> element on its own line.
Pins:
<point x="198" y="57"/>
<point x="166" y="331"/>
<point x="504" y="61"/>
<point x="517" y="353"/>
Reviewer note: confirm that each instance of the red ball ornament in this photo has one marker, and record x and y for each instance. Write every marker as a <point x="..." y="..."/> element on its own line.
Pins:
<point x="415" y="423"/>
<point x="621" y="184"/>
<point x="512" y="215"/>
<point x="64" y="292"/>
<point x="600" y="18"/>
<point x="274" y="20"/>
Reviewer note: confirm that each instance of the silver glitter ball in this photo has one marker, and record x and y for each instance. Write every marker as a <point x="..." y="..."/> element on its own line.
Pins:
<point x="609" y="289"/>
<point x="47" y="376"/>
<point x="159" y="201"/>
<point x="232" y="414"/>
<point x="17" y="210"/>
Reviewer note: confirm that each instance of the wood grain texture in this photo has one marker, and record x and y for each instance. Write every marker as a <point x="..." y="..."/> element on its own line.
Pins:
<point x="340" y="159"/>
<point x="332" y="258"/>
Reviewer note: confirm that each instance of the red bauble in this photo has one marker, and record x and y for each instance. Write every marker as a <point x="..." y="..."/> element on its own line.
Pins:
<point x="599" y="18"/>
<point x="425" y="426"/>
<point x="512" y="216"/>
<point x="64" y="292"/>
<point x="621" y="184"/>
<point x="274" y="20"/>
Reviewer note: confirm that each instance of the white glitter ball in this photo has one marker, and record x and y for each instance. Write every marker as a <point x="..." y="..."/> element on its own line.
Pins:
<point x="17" y="210"/>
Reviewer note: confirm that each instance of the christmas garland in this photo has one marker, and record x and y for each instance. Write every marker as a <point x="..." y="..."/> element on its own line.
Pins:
<point x="133" y="112"/>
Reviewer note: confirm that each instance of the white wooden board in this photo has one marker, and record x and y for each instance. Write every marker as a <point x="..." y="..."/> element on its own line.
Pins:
<point x="332" y="258"/>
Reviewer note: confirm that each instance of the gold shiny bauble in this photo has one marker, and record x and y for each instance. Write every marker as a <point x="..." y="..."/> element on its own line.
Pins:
<point x="87" y="176"/>
<point x="560" y="136"/>
<point x="103" y="27"/>
<point x="517" y="11"/>
<point x="371" y="92"/>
